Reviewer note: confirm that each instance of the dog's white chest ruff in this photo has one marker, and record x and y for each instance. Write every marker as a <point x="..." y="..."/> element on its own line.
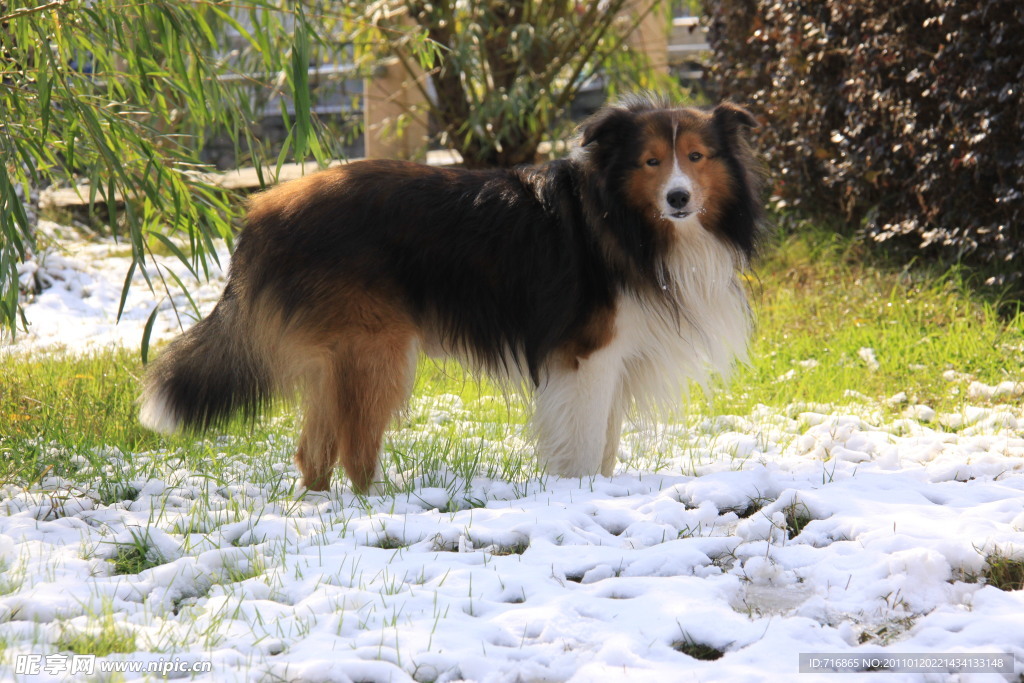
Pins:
<point x="657" y="349"/>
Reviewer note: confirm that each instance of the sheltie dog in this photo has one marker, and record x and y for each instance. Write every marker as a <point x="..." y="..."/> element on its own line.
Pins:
<point x="603" y="281"/>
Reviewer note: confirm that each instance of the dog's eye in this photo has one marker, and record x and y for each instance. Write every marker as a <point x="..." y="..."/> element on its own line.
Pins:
<point x="653" y="162"/>
<point x="696" y="156"/>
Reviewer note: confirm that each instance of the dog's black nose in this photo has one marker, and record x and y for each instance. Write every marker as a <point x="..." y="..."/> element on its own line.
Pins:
<point x="677" y="198"/>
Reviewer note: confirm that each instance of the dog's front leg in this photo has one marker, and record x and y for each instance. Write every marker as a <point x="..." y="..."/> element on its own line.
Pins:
<point x="614" y="432"/>
<point x="578" y="412"/>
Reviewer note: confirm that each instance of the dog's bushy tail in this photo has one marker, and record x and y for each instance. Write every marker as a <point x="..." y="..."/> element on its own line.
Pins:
<point x="217" y="369"/>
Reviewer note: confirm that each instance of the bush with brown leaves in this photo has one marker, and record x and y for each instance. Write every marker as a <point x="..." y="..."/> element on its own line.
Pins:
<point x="905" y="117"/>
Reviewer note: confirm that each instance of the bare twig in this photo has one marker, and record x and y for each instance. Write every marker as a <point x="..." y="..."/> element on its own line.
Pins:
<point x="32" y="10"/>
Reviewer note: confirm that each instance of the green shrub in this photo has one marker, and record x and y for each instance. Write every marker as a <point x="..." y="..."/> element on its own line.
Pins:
<point x="504" y="74"/>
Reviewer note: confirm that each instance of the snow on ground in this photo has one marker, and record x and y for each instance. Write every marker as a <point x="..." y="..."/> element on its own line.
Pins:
<point x="80" y="293"/>
<point x="793" y="530"/>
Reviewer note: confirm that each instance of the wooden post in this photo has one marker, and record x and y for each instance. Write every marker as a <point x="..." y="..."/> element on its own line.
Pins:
<point x="651" y="35"/>
<point x="390" y="98"/>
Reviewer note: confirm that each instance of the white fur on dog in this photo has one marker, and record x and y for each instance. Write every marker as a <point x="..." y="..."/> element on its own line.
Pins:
<point x="655" y="352"/>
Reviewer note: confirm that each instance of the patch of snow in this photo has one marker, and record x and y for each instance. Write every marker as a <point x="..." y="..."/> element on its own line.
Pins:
<point x="790" y="530"/>
<point x="81" y="292"/>
<point x="981" y="391"/>
<point x="867" y="355"/>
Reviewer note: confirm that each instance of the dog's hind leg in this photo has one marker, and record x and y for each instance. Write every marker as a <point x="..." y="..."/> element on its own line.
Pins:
<point x="318" y="446"/>
<point x="375" y="383"/>
<point x="351" y="399"/>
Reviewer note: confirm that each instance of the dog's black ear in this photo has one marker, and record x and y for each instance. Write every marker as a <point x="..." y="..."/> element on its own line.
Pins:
<point x="729" y="118"/>
<point x="606" y="125"/>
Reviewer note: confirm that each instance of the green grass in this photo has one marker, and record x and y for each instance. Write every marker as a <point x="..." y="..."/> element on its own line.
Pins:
<point x="819" y="301"/>
<point x="797" y="517"/>
<point x="137" y="556"/>
<point x="102" y="636"/>
<point x="1005" y="573"/>
<point x="697" y="650"/>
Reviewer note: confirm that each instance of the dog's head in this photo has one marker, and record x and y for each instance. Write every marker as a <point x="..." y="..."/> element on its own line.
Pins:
<point x="676" y="165"/>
